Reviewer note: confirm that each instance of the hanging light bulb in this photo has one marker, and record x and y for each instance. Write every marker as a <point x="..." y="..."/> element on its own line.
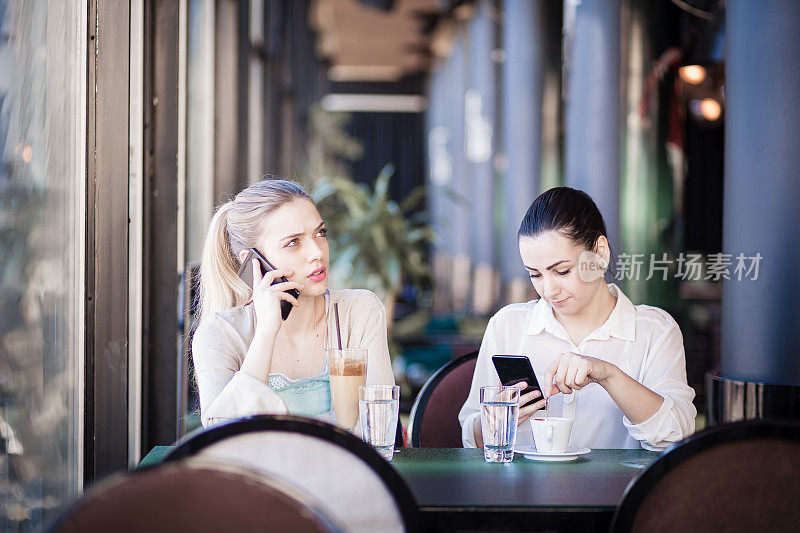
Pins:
<point x="710" y="109"/>
<point x="693" y="74"/>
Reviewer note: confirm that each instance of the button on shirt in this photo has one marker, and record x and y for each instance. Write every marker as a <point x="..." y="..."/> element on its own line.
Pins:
<point x="643" y="341"/>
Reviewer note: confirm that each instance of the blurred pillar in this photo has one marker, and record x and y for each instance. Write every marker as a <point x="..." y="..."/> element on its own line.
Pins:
<point x="440" y="177"/>
<point x="593" y="108"/>
<point x="760" y="317"/>
<point x="200" y="198"/>
<point x="479" y="114"/>
<point x="552" y="173"/>
<point x="160" y="407"/>
<point x="523" y="69"/>
<point x="255" y="114"/>
<point x="457" y="203"/>
<point x="230" y="155"/>
<point x="641" y="175"/>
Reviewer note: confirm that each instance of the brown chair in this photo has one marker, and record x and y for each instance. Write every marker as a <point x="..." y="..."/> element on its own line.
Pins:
<point x="737" y="477"/>
<point x="348" y="479"/>
<point x="193" y="496"/>
<point x="434" y="416"/>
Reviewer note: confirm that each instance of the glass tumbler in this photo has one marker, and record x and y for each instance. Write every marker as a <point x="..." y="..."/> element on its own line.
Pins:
<point x="499" y="418"/>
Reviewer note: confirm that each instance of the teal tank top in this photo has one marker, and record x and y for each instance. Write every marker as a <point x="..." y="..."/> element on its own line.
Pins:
<point x="310" y="397"/>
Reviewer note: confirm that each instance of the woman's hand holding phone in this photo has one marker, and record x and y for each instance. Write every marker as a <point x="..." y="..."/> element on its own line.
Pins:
<point x="516" y="371"/>
<point x="524" y="412"/>
<point x="529" y="410"/>
<point x="267" y="298"/>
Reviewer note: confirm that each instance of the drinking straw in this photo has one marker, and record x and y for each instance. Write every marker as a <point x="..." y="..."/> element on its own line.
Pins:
<point x="338" y="329"/>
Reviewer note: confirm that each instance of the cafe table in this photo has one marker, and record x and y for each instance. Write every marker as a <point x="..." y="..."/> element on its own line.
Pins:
<point x="457" y="490"/>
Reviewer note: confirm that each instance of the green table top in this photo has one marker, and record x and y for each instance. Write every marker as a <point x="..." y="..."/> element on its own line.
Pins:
<point x="460" y="478"/>
<point x="155" y="456"/>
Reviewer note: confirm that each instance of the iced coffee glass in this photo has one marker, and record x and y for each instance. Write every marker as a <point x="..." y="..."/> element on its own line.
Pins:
<point x="348" y="372"/>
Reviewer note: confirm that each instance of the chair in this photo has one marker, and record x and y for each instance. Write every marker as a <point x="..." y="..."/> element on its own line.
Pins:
<point x="350" y="481"/>
<point x="742" y="477"/>
<point x="434" y="415"/>
<point x="193" y="496"/>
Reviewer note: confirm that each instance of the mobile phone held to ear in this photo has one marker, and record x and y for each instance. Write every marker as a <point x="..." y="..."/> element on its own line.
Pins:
<point x="246" y="273"/>
<point x="513" y="369"/>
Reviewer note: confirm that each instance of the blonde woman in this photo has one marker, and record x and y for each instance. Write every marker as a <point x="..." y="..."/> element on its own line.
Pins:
<point x="247" y="359"/>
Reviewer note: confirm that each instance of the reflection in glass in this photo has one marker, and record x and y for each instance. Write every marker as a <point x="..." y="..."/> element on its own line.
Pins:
<point x="42" y="175"/>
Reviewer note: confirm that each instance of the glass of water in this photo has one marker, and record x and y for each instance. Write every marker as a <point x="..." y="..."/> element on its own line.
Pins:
<point x="379" y="406"/>
<point x="499" y="418"/>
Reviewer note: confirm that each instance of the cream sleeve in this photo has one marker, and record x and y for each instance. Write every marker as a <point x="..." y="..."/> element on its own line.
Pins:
<point x="368" y="330"/>
<point x="225" y="392"/>
<point x="664" y="373"/>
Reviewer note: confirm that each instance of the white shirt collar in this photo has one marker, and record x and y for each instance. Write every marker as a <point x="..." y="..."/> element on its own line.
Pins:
<point x="621" y="323"/>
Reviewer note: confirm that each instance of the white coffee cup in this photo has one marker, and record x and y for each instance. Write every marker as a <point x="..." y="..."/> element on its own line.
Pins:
<point x="551" y="434"/>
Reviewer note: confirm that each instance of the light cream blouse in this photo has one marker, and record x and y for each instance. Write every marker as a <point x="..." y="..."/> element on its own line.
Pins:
<point x="221" y="342"/>
<point x="643" y="341"/>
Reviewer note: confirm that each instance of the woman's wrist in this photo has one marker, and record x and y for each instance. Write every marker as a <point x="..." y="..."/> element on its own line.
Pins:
<point x="258" y="359"/>
<point x="264" y="336"/>
<point x="477" y="432"/>
<point x="265" y="330"/>
<point x="636" y="401"/>
<point x="611" y="374"/>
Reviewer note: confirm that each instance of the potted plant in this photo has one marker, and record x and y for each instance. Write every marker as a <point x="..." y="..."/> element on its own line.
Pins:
<point x="377" y="243"/>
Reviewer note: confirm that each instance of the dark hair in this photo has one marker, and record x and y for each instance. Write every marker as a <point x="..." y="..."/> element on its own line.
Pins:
<point x="569" y="211"/>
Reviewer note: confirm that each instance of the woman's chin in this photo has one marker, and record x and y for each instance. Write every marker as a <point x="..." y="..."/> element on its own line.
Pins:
<point x="315" y="289"/>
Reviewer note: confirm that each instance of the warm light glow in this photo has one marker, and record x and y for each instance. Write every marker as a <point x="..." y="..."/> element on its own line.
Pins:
<point x="693" y="74"/>
<point x="710" y="109"/>
<point x="27" y="154"/>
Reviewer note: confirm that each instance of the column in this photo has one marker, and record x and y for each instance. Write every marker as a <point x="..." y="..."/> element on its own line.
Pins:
<point x="761" y="318"/>
<point x="440" y="177"/>
<point x="458" y="210"/>
<point x="592" y="150"/>
<point x="523" y="69"/>
<point x="479" y="116"/>
<point x="760" y="366"/>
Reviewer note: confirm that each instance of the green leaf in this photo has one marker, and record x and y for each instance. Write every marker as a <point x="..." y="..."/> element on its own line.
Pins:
<point x="413" y="199"/>
<point x="373" y="244"/>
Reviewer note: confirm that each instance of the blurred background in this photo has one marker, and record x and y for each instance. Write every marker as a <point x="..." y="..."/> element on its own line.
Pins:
<point x="424" y="128"/>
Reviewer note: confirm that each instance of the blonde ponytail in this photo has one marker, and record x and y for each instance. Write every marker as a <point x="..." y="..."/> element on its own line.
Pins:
<point x="220" y="287"/>
<point x="236" y="226"/>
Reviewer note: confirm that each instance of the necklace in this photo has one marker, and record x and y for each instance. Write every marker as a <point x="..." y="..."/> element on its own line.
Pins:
<point x="315" y="348"/>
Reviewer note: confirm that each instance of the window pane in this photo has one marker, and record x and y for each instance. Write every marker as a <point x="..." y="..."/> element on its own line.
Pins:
<point x="42" y="176"/>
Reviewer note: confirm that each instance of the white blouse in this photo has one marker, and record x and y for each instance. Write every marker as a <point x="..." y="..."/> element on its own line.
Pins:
<point x="643" y="341"/>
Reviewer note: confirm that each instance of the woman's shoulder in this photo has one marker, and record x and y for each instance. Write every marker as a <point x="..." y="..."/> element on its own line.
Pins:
<point x="356" y="297"/>
<point x="514" y="311"/>
<point x="654" y="318"/>
<point x="230" y="321"/>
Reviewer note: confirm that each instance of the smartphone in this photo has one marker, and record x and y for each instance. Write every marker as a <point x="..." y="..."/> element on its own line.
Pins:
<point x="513" y="369"/>
<point x="246" y="273"/>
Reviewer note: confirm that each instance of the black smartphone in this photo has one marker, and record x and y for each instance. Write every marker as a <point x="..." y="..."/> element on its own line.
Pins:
<point x="513" y="369"/>
<point x="246" y="273"/>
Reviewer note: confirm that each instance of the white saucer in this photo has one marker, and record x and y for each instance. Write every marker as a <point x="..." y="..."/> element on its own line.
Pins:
<point x="572" y="453"/>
